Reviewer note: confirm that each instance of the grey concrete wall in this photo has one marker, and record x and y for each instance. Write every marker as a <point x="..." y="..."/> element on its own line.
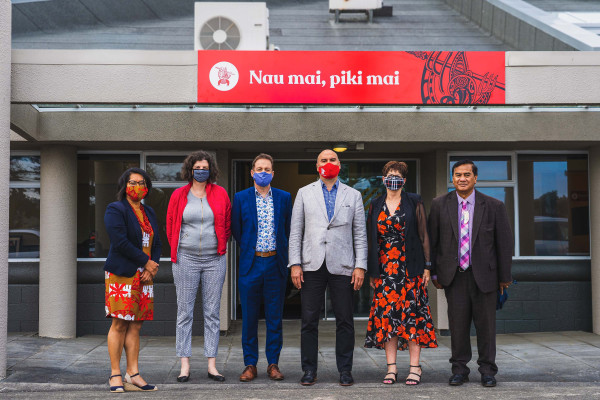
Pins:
<point x="58" y="241"/>
<point x="115" y="76"/>
<point x="594" y="176"/>
<point x="523" y="128"/>
<point x="550" y="296"/>
<point x="108" y="76"/>
<point x="5" y="58"/>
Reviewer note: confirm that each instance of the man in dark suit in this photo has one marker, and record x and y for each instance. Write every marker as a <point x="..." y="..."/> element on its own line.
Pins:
<point x="472" y="246"/>
<point x="260" y="223"/>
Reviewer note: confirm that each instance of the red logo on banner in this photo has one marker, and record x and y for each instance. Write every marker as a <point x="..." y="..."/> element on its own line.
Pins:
<point x="351" y="77"/>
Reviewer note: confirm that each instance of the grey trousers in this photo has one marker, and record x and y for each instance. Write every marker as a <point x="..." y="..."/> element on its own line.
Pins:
<point x="188" y="272"/>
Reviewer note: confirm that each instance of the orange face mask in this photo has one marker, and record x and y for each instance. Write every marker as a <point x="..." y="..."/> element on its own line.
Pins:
<point x="136" y="193"/>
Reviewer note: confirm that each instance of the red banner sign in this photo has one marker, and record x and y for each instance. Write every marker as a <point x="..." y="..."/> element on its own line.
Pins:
<point x="351" y="77"/>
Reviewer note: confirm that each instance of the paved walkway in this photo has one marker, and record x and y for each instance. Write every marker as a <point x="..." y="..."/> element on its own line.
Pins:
<point x="532" y="365"/>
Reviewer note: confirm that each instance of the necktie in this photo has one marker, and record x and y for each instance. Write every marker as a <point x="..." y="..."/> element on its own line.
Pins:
<point x="465" y="253"/>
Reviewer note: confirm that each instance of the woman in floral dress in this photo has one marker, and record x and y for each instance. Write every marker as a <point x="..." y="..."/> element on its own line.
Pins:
<point x="398" y="265"/>
<point x="130" y="268"/>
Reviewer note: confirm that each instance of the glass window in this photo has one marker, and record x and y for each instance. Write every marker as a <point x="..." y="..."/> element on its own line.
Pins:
<point x="97" y="176"/>
<point x="24" y="223"/>
<point x="505" y="195"/>
<point x="164" y="168"/>
<point x="165" y="172"/>
<point x="158" y="199"/>
<point x="25" y="168"/>
<point x="489" y="168"/>
<point x="553" y="205"/>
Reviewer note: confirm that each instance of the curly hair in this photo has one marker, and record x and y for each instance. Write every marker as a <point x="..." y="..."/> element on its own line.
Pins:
<point x="395" y="166"/>
<point x="187" y="172"/>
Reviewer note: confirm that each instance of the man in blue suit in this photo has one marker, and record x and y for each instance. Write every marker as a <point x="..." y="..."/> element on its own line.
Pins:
<point x="260" y="223"/>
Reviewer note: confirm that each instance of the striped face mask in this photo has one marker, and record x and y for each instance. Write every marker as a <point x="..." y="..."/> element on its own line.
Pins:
<point x="393" y="182"/>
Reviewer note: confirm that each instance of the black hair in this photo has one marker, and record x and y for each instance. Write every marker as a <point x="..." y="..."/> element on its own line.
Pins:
<point x="465" y="162"/>
<point x="187" y="169"/>
<point x="123" y="179"/>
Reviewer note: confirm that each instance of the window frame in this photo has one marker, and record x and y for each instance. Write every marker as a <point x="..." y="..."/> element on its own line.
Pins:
<point x="159" y="184"/>
<point x="25" y="185"/>
<point x="515" y="185"/>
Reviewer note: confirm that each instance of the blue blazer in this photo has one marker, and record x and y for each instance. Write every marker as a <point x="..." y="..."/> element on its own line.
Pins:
<point x="125" y="255"/>
<point x="244" y="226"/>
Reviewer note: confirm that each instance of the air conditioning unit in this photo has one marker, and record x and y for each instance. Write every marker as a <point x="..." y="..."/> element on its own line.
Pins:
<point x="231" y="26"/>
<point x="355" y="4"/>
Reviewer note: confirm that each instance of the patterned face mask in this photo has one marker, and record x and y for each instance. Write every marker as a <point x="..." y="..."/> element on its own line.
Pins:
<point x="393" y="182"/>
<point x="136" y="193"/>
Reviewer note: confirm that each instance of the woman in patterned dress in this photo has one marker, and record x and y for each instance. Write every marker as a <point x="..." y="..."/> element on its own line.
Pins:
<point x="131" y="265"/>
<point x="399" y="266"/>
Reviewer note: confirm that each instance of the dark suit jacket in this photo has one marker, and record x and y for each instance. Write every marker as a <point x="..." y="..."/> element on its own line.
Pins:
<point x="125" y="255"/>
<point x="244" y="226"/>
<point x="491" y="244"/>
<point x="415" y="257"/>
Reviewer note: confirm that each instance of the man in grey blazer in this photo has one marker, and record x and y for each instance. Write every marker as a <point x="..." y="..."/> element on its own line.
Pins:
<point x="328" y="248"/>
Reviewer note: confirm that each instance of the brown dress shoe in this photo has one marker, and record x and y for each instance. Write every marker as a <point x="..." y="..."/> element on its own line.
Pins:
<point x="274" y="372"/>
<point x="248" y="374"/>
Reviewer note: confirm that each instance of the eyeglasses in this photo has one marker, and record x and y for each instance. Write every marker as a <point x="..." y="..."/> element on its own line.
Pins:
<point x="136" y="183"/>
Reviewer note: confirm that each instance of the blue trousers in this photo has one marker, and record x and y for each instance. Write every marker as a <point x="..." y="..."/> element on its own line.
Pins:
<point x="263" y="282"/>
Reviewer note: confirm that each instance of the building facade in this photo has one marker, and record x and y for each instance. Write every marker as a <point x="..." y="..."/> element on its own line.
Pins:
<point x="80" y="118"/>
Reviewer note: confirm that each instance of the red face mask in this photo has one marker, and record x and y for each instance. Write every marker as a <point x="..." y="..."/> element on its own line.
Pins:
<point x="329" y="170"/>
<point x="136" y="193"/>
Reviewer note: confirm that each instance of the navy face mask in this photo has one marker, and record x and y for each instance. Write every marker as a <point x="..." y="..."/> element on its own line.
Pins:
<point x="201" y="175"/>
<point x="262" y="179"/>
<point x="393" y="182"/>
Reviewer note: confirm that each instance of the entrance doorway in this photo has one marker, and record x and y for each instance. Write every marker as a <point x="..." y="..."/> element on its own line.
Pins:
<point x="291" y="175"/>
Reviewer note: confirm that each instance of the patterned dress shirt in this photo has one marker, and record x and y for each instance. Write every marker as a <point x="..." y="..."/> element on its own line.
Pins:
<point x="265" y="240"/>
<point x="330" y="197"/>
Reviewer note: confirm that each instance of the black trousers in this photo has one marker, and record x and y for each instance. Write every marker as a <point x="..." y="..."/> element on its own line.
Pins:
<point x="467" y="303"/>
<point x="313" y="298"/>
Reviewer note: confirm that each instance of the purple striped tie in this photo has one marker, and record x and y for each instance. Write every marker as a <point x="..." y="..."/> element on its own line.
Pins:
<point x="465" y="254"/>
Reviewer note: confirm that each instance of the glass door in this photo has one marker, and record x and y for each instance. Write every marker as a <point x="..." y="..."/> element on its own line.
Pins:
<point x="362" y="175"/>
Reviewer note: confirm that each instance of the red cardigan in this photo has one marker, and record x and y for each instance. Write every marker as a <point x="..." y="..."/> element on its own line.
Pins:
<point x="218" y="201"/>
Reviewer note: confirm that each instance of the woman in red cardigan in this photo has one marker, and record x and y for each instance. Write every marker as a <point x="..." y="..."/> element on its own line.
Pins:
<point x="198" y="228"/>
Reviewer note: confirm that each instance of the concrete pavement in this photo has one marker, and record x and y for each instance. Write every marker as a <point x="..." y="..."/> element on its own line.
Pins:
<point x="532" y="366"/>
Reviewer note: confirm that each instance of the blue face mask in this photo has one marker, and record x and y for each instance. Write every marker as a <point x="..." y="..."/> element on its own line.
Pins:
<point x="263" y="178"/>
<point x="201" y="175"/>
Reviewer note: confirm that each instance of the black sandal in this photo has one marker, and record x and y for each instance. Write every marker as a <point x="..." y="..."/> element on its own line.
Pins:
<point x="388" y="381"/>
<point x="416" y="382"/>
<point x="116" y="389"/>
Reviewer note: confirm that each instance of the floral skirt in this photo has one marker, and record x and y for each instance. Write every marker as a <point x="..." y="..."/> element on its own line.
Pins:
<point x="400" y="308"/>
<point x="128" y="298"/>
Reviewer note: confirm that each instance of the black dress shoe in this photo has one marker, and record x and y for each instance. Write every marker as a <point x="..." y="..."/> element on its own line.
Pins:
<point x="183" y="378"/>
<point x="458" y="379"/>
<point x="309" y="378"/>
<point x="488" y="381"/>
<point x="346" y="378"/>
<point x="218" y="378"/>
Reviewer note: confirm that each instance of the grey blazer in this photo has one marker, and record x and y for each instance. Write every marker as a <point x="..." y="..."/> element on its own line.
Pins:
<point x="341" y="242"/>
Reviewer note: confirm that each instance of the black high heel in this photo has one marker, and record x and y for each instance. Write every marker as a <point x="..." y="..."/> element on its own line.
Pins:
<point x="217" y="378"/>
<point x="388" y="381"/>
<point x="416" y="382"/>
<point x="184" y="378"/>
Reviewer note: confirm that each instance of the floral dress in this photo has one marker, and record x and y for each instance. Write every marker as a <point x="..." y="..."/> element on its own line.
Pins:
<point x="129" y="298"/>
<point x="400" y="303"/>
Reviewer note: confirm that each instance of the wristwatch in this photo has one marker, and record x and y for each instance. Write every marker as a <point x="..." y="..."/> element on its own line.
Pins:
<point x="427" y="264"/>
